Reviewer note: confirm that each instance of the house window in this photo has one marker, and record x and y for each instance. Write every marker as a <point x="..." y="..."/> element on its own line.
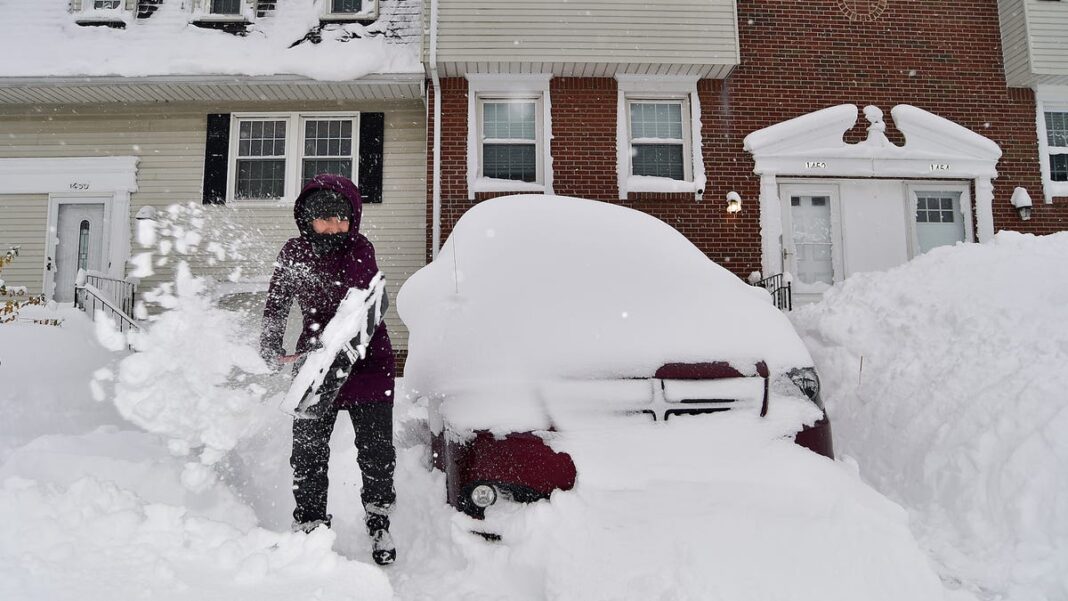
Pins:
<point x="659" y="143"/>
<point x="350" y="9"/>
<point x="273" y="155"/>
<point x="328" y="148"/>
<point x="106" y="4"/>
<point x="261" y="159"/>
<point x="658" y="147"/>
<point x="226" y="7"/>
<point x="1057" y="144"/>
<point x="508" y="130"/>
<point x="509" y="142"/>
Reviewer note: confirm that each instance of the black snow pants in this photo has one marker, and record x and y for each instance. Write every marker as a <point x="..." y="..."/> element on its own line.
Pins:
<point x="376" y="456"/>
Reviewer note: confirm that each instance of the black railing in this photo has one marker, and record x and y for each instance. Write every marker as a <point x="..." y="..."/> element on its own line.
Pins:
<point x="98" y="292"/>
<point x="780" y="290"/>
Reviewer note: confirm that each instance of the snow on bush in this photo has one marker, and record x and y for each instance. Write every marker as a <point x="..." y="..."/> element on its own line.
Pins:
<point x="946" y="379"/>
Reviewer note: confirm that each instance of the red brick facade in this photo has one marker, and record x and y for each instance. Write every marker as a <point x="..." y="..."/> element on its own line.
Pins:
<point x="797" y="57"/>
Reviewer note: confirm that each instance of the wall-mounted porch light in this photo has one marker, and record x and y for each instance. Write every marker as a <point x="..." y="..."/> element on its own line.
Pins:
<point x="734" y="202"/>
<point x="1022" y="201"/>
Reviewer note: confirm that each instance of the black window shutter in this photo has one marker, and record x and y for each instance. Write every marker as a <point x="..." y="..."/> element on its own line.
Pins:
<point x="216" y="158"/>
<point x="372" y="134"/>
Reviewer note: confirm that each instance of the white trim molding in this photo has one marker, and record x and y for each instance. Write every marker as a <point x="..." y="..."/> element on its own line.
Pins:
<point x="813" y="145"/>
<point x="660" y="87"/>
<point x="110" y="180"/>
<point x="533" y="86"/>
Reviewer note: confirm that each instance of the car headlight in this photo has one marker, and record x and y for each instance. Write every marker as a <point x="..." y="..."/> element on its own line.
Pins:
<point x="483" y="495"/>
<point x="808" y="382"/>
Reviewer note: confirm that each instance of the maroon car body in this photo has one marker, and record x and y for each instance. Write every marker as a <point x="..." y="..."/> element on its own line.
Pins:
<point x="522" y="467"/>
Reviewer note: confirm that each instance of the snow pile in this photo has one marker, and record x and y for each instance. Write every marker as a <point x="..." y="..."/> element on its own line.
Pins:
<point x="39" y="367"/>
<point x="946" y="379"/>
<point x="104" y="517"/>
<point x="41" y="38"/>
<point x="188" y="380"/>
<point x="533" y="287"/>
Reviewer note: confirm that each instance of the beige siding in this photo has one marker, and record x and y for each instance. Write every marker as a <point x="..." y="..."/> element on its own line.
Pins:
<point x="23" y="222"/>
<point x="170" y="143"/>
<point x="677" y="32"/>
<point x="1014" y="45"/>
<point x="1048" y="26"/>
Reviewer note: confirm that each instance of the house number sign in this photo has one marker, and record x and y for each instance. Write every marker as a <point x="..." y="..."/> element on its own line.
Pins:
<point x="79" y="186"/>
<point x="939" y="166"/>
<point x="815" y="165"/>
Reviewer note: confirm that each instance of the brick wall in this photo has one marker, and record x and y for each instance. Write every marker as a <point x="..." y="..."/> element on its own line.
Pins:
<point x="797" y="57"/>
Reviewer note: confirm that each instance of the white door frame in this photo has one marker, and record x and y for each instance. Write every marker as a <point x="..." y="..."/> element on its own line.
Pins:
<point x="110" y="180"/>
<point x="52" y="237"/>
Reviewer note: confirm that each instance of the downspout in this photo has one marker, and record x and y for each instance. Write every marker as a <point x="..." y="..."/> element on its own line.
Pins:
<point x="436" y="185"/>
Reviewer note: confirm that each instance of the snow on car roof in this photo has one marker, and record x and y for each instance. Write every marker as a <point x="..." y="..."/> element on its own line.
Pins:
<point x="535" y="287"/>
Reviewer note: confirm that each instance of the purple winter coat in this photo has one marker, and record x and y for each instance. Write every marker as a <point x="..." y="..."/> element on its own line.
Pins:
<point x="319" y="283"/>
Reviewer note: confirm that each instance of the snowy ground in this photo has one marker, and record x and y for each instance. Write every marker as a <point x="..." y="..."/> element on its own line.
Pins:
<point x="94" y="506"/>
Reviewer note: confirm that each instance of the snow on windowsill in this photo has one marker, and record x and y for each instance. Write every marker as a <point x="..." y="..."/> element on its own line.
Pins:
<point x="491" y="184"/>
<point x="645" y="183"/>
<point x="42" y="39"/>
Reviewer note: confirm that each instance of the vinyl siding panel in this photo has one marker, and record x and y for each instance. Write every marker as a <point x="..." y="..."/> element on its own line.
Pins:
<point x="1048" y="26"/>
<point x="170" y="143"/>
<point x="23" y="219"/>
<point x="684" y="32"/>
<point x="1014" y="45"/>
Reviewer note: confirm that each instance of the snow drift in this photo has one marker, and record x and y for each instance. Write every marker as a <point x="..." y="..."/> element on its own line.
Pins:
<point x="946" y="379"/>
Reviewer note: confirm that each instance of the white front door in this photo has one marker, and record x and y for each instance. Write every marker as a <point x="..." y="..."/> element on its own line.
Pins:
<point x="939" y="219"/>
<point x="809" y="237"/>
<point x="80" y="241"/>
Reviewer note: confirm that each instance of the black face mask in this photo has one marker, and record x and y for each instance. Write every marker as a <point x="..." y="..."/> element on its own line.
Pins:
<point x="327" y="244"/>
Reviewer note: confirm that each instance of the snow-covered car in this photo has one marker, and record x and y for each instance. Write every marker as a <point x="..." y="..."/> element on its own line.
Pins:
<point x="546" y="314"/>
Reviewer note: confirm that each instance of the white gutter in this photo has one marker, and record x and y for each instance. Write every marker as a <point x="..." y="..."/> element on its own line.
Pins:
<point x="436" y="210"/>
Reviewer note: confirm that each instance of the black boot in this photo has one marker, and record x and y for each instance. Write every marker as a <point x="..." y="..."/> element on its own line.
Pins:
<point x="383" y="551"/>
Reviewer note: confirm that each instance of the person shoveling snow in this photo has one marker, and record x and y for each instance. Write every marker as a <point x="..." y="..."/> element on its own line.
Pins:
<point x="318" y="269"/>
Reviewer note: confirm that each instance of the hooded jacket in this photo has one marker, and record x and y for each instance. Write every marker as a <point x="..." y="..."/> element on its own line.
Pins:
<point x="318" y="283"/>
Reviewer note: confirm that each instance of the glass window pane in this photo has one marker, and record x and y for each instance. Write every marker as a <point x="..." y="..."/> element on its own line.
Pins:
<point x="658" y="160"/>
<point x="1057" y="129"/>
<point x="83" y="245"/>
<point x="510" y="161"/>
<point x="659" y="120"/>
<point x="508" y="121"/>
<point x="313" y="167"/>
<point x="347" y="6"/>
<point x="226" y="7"/>
<point x="261" y="138"/>
<point x="1058" y="167"/>
<point x="260" y="178"/>
<point x="106" y="4"/>
<point x="328" y="138"/>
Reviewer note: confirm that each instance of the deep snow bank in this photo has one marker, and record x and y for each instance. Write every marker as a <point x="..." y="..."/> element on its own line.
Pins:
<point x="961" y="409"/>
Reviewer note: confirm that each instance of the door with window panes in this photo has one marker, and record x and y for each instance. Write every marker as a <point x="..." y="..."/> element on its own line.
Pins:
<point x="939" y="219"/>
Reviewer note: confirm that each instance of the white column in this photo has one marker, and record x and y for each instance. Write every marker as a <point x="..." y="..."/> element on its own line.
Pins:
<point x="770" y="225"/>
<point x="984" y="208"/>
<point x="119" y="251"/>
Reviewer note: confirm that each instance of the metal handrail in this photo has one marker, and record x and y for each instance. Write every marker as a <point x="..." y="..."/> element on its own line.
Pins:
<point x="91" y="299"/>
<point x="780" y="289"/>
<point x="121" y="292"/>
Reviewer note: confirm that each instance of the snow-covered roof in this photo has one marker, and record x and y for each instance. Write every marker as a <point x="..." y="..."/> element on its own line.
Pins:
<point x="42" y="39"/>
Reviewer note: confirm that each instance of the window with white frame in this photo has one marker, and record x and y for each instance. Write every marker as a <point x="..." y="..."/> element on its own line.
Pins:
<point x="350" y="9"/>
<point x="273" y="155"/>
<point x="1057" y="144"/>
<point x="508" y="130"/>
<point x="659" y="138"/>
<point x="508" y="139"/>
<point x="106" y="4"/>
<point x="658" y="144"/>
<point x="226" y="7"/>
